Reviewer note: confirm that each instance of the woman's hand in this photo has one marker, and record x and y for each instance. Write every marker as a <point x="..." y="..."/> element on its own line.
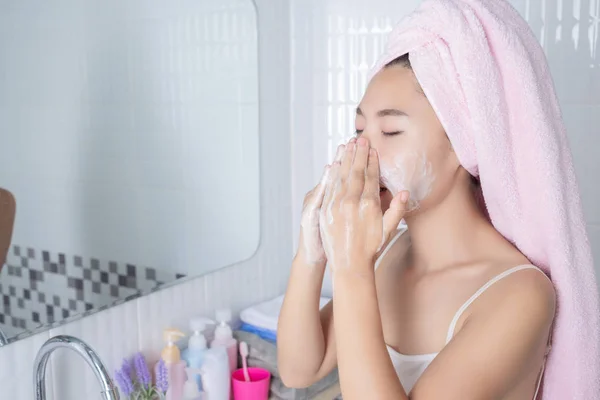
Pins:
<point x="310" y="249"/>
<point x="352" y="225"/>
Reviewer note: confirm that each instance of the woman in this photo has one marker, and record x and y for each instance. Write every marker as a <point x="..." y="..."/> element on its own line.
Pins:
<point x="453" y="310"/>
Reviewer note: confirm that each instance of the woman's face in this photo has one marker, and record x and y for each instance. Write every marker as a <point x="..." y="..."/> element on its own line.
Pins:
<point x="414" y="152"/>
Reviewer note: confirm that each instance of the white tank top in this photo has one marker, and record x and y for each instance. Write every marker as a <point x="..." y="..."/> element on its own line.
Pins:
<point x="410" y="367"/>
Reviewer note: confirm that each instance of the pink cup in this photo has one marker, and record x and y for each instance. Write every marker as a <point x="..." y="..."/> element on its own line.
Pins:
<point x="256" y="389"/>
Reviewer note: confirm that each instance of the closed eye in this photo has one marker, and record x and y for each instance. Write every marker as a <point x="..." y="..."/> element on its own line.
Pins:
<point x="359" y="132"/>
<point x="391" y="133"/>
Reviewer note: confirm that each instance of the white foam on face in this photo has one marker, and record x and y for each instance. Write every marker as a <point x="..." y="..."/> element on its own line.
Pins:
<point x="410" y="171"/>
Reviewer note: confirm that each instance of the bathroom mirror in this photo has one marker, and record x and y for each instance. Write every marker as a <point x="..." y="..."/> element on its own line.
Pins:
<point x="129" y="139"/>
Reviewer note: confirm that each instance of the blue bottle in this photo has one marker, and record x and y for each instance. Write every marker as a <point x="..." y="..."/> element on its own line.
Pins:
<point x="194" y="354"/>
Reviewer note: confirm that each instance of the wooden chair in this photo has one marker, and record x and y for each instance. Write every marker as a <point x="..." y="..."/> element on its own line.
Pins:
<point x="8" y="209"/>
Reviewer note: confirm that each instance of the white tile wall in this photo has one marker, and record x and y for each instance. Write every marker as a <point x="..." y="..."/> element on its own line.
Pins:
<point x="16" y="376"/>
<point x="594" y="236"/>
<point x="306" y="24"/>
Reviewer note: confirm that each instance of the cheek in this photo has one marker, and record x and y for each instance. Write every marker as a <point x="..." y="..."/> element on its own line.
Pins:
<point x="408" y="171"/>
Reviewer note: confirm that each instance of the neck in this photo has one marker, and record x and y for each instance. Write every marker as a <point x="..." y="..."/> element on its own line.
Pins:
<point x="449" y="233"/>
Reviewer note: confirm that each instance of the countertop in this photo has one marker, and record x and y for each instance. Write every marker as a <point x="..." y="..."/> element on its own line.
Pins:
<point x="329" y="394"/>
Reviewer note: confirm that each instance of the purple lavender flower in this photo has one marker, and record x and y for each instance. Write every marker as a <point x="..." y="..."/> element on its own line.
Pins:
<point x="124" y="382"/>
<point x="141" y="370"/>
<point x="162" y="380"/>
<point x="126" y="368"/>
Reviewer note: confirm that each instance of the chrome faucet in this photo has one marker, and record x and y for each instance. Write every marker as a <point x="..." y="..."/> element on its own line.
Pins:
<point x="3" y="339"/>
<point x="109" y="392"/>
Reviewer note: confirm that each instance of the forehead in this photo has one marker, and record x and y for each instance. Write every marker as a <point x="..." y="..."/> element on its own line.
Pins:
<point x="392" y="85"/>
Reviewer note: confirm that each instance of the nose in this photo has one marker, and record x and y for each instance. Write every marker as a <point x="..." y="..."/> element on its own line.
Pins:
<point x="371" y="137"/>
<point x="370" y="132"/>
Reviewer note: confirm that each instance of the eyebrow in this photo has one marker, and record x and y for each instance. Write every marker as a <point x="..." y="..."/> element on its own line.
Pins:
<point x="386" y="112"/>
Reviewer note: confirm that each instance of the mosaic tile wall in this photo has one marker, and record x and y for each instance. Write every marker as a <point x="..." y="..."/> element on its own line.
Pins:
<point x="42" y="287"/>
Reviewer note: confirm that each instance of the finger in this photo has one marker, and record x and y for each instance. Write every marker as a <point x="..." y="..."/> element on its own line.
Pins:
<point x="332" y="180"/>
<point x="356" y="184"/>
<point x="347" y="161"/>
<point x="330" y="184"/>
<point x="372" y="174"/>
<point x="334" y="168"/>
<point x="320" y="189"/>
<point x="326" y="211"/>
<point x="394" y="214"/>
<point x="340" y="152"/>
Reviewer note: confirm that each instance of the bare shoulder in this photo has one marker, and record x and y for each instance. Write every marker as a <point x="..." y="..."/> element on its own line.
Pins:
<point x="527" y="294"/>
<point x="532" y="285"/>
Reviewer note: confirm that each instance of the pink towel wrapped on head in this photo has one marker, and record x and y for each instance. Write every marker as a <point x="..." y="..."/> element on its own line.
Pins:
<point x="487" y="78"/>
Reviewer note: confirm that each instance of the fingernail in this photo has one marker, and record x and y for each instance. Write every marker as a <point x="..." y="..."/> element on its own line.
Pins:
<point x="353" y="140"/>
<point x="350" y="146"/>
<point x="362" y="142"/>
<point x="404" y="197"/>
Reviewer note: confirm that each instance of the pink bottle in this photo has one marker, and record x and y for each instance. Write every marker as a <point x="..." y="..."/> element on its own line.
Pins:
<point x="224" y="337"/>
<point x="175" y="366"/>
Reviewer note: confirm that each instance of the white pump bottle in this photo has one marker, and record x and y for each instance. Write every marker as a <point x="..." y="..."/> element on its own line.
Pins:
<point x="224" y="337"/>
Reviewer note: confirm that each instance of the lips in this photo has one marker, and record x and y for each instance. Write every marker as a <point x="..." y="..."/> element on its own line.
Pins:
<point x="382" y="187"/>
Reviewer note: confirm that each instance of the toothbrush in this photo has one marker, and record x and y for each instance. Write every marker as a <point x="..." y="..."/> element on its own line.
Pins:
<point x="244" y="354"/>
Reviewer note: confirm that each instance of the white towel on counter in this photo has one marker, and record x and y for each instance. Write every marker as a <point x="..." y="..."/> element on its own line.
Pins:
<point x="265" y="315"/>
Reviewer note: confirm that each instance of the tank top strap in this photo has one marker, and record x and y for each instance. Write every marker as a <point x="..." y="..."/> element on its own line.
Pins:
<point x="479" y="292"/>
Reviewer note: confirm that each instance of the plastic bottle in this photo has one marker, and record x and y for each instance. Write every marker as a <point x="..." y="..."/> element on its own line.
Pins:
<point x="190" y="388"/>
<point x="224" y="338"/>
<point x="216" y="378"/>
<point x="194" y="354"/>
<point x="175" y="366"/>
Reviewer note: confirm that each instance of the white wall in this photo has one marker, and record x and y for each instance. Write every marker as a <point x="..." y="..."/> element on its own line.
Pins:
<point x="136" y="325"/>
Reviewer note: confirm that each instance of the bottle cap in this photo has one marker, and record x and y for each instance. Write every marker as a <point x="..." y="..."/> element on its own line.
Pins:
<point x="223" y="315"/>
<point x="197" y="340"/>
<point x="171" y="354"/>
<point x="223" y="331"/>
